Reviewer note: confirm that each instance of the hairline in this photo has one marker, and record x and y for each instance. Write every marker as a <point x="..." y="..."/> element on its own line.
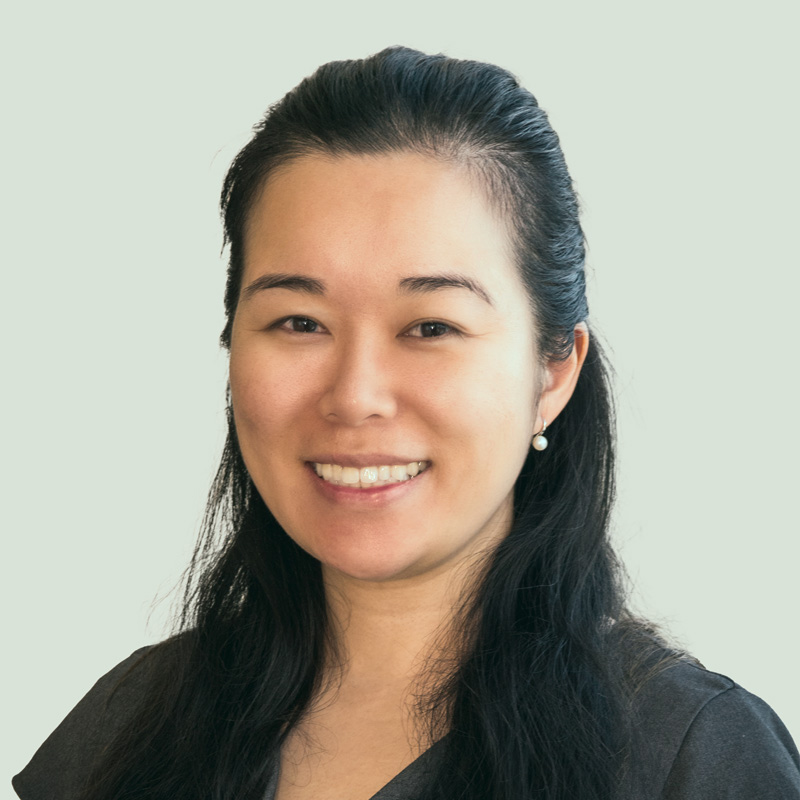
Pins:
<point x="484" y="174"/>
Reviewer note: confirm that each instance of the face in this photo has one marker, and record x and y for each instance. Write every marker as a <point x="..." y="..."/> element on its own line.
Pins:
<point x="382" y="364"/>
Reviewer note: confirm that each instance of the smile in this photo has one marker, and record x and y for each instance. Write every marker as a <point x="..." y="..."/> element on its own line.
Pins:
<point x="369" y="477"/>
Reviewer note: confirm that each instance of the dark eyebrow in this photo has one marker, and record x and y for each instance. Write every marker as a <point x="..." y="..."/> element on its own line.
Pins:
<point x="281" y="280"/>
<point x="431" y="283"/>
<point x="419" y="283"/>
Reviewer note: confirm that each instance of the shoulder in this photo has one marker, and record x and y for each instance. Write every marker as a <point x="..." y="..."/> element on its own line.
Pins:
<point x="701" y="735"/>
<point x="64" y="760"/>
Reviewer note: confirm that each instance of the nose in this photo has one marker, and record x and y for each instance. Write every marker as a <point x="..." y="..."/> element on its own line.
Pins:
<point x="360" y="386"/>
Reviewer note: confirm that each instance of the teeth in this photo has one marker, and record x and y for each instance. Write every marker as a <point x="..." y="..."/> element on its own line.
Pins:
<point x="370" y="476"/>
<point x="350" y="475"/>
<point x="399" y="473"/>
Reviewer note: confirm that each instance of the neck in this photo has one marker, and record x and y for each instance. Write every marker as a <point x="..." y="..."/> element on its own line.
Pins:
<point x="388" y="632"/>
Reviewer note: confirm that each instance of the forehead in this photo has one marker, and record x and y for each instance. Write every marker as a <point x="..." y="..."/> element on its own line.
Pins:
<point x="372" y="216"/>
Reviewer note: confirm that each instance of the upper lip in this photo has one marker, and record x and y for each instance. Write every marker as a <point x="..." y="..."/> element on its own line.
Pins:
<point x="361" y="460"/>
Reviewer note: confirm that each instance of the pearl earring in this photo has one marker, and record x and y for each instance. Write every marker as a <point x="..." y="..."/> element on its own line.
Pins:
<point x="539" y="442"/>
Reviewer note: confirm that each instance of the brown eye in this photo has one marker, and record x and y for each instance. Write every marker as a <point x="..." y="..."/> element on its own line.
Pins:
<point x="300" y="325"/>
<point x="430" y="330"/>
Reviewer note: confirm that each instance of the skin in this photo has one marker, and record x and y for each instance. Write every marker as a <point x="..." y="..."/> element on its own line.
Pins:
<point x="362" y="370"/>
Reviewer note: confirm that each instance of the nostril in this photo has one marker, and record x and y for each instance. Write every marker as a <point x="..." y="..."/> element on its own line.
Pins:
<point x="354" y="401"/>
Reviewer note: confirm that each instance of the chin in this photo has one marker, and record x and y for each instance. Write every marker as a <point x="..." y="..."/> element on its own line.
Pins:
<point x="372" y="562"/>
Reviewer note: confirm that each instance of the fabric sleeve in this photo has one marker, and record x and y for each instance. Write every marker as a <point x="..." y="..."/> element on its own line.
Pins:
<point x="736" y="748"/>
<point x="61" y="765"/>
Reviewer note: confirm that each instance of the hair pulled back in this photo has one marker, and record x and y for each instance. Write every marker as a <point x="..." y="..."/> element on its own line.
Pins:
<point x="535" y="708"/>
<point x="467" y="113"/>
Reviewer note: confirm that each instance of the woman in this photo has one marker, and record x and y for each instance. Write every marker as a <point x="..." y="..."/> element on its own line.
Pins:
<point x="405" y="587"/>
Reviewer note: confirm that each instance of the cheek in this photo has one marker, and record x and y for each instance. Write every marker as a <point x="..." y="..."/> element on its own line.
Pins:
<point x="495" y="397"/>
<point x="264" y="397"/>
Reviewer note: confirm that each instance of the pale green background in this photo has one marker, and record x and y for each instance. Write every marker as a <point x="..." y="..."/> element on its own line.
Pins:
<point x="680" y="126"/>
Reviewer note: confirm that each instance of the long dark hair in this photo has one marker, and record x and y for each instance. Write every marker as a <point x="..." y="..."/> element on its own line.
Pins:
<point x="536" y="707"/>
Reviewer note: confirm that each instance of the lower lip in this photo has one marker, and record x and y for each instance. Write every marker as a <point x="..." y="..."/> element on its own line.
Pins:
<point x="377" y="495"/>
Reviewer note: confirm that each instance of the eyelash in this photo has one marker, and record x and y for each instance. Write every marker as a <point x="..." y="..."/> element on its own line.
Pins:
<point x="449" y="330"/>
<point x="281" y="324"/>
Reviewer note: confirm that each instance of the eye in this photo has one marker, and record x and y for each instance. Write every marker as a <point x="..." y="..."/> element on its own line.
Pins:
<point x="298" y="325"/>
<point x="432" y="330"/>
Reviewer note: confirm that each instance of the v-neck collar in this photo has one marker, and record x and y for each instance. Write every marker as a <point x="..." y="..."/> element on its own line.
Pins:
<point x="404" y="785"/>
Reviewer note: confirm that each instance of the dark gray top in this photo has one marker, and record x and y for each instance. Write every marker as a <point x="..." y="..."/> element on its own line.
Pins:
<point x="707" y="739"/>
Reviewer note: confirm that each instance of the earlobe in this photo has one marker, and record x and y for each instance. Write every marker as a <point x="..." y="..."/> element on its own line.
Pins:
<point x="561" y="378"/>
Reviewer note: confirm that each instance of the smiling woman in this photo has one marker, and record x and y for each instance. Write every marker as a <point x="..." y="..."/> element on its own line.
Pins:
<point x="383" y="355"/>
<point x="403" y="589"/>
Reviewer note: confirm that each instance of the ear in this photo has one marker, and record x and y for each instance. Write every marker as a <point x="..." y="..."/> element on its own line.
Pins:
<point x="561" y="377"/>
